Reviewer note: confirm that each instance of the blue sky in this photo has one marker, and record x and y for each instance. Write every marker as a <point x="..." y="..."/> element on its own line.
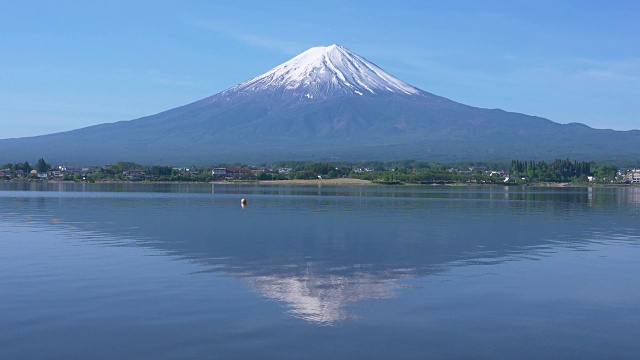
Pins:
<point x="71" y="64"/>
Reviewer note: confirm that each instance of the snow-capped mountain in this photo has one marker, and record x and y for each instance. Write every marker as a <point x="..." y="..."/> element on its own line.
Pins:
<point x="325" y="103"/>
<point x="326" y="71"/>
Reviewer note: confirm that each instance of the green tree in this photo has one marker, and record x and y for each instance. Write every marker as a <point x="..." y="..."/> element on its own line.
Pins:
<point x="42" y="166"/>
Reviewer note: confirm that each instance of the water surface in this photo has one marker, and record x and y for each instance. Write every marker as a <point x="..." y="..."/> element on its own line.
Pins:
<point x="174" y="271"/>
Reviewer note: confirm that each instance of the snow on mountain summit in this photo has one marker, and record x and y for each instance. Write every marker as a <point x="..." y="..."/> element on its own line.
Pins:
<point x="324" y="71"/>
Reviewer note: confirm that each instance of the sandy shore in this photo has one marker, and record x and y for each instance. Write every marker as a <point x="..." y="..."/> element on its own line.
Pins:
<point x="341" y="181"/>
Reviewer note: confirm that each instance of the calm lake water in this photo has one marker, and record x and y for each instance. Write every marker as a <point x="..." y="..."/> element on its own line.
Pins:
<point x="126" y="271"/>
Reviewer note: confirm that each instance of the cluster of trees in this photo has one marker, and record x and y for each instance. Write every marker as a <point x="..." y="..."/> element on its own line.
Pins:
<point x="405" y="171"/>
<point x="411" y="171"/>
<point x="25" y="167"/>
<point x="392" y="172"/>
<point x="306" y="170"/>
<point x="41" y="166"/>
<point x="123" y="171"/>
<point x="563" y="171"/>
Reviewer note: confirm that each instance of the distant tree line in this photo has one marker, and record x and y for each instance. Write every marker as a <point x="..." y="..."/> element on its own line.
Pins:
<point x="393" y="172"/>
<point x="41" y="166"/>
<point x="563" y="171"/>
<point x="301" y="170"/>
<point x="25" y="166"/>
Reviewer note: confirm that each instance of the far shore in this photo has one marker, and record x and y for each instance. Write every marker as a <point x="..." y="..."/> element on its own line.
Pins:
<point x="360" y="182"/>
<point x="337" y="181"/>
<point x="349" y="182"/>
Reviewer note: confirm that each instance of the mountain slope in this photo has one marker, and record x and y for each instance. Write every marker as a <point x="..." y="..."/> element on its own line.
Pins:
<point x="324" y="103"/>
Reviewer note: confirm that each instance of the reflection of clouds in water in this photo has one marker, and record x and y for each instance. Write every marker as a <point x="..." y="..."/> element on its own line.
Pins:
<point x="323" y="299"/>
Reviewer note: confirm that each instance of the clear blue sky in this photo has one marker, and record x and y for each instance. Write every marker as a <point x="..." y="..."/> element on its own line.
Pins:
<point x="71" y="64"/>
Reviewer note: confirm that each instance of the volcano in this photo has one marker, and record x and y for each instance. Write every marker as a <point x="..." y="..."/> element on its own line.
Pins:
<point x="326" y="103"/>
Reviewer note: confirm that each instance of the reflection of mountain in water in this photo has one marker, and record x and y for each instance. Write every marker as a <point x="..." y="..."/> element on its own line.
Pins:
<point x="323" y="298"/>
<point x="320" y="254"/>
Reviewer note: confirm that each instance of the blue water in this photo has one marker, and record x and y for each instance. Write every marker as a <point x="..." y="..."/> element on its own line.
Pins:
<point x="139" y="271"/>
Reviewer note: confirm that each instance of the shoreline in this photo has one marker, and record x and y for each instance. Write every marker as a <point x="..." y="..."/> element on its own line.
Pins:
<point x="339" y="182"/>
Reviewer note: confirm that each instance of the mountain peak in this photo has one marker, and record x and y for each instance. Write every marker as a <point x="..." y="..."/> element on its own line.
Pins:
<point x="324" y="71"/>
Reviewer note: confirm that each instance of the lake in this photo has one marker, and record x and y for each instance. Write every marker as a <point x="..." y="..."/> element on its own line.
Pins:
<point x="179" y="271"/>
